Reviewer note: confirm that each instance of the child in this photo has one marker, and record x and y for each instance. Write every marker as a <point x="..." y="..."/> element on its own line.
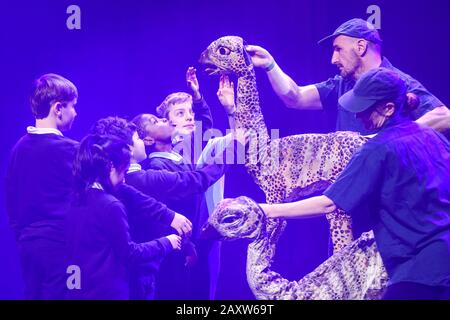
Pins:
<point x="178" y="109"/>
<point x="161" y="184"/>
<point x="97" y="225"/>
<point x="39" y="185"/>
<point x="191" y="117"/>
<point x="173" y="278"/>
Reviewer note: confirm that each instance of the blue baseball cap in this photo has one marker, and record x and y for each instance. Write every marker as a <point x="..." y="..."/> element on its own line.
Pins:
<point x="374" y="86"/>
<point x="356" y="28"/>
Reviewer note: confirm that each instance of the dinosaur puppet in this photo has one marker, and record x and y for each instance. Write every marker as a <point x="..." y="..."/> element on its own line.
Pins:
<point x="289" y="169"/>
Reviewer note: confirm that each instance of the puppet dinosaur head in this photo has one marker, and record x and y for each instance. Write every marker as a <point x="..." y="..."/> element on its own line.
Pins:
<point x="236" y="218"/>
<point x="227" y="55"/>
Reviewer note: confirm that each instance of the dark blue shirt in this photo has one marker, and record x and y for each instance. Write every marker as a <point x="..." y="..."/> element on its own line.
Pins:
<point x="332" y="89"/>
<point x="403" y="174"/>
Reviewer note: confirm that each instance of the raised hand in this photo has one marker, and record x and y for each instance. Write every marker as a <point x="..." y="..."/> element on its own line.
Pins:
<point x="260" y="57"/>
<point x="192" y="83"/>
<point x="226" y="94"/>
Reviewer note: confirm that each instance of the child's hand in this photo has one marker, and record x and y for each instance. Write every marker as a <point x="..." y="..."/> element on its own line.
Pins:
<point x="226" y="94"/>
<point x="182" y="225"/>
<point x="175" y="241"/>
<point x="192" y="82"/>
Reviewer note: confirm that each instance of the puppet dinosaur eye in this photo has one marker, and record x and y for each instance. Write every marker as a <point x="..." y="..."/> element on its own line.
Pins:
<point x="224" y="51"/>
<point x="229" y="219"/>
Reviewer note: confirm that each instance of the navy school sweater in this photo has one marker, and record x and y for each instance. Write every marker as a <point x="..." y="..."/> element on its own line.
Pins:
<point x="39" y="184"/>
<point x="99" y="243"/>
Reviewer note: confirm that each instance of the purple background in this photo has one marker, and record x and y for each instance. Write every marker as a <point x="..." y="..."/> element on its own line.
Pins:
<point x="129" y="55"/>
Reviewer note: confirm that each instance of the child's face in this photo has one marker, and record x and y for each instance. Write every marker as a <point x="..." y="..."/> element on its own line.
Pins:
<point x="67" y="116"/>
<point x="138" y="148"/>
<point x="159" y="129"/>
<point x="181" y="116"/>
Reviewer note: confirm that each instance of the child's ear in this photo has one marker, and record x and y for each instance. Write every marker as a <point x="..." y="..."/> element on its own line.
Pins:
<point x="56" y="109"/>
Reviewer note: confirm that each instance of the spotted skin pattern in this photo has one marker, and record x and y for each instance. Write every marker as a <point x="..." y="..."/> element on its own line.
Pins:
<point x="289" y="169"/>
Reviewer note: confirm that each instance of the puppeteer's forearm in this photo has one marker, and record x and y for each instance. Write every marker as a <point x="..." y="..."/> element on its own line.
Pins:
<point x="312" y="207"/>
<point x="438" y="119"/>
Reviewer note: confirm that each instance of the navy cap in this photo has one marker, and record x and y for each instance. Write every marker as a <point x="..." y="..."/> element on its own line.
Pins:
<point x="374" y="86"/>
<point x="357" y="28"/>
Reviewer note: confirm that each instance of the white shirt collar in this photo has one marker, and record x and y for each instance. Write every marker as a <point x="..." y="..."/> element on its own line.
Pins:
<point x="34" y="130"/>
<point x="172" y="155"/>
<point x="134" y="167"/>
<point x="178" y="139"/>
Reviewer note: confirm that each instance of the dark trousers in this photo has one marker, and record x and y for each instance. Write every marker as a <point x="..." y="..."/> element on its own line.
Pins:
<point x="175" y="281"/>
<point x="142" y="285"/>
<point x="199" y="280"/>
<point x="416" y="291"/>
<point x="172" y="278"/>
<point x="43" y="269"/>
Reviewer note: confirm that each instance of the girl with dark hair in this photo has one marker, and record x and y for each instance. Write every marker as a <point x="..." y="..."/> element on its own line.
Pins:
<point x="97" y="226"/>
<point x="100" y="161"/>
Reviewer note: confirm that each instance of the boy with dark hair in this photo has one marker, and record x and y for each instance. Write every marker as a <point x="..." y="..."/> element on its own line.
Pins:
<point x="39" y="184"/>
<point x="173" y="281"/>
<point x="52" y="91"/>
